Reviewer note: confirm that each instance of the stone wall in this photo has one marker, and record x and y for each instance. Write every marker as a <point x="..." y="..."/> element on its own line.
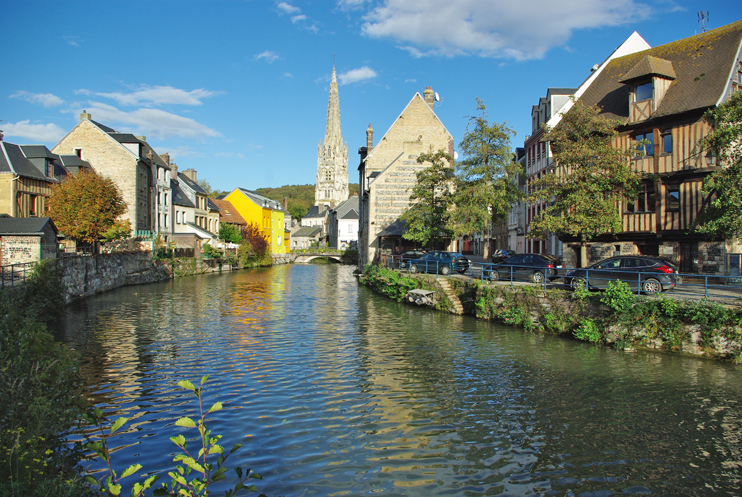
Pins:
<point x="19" y="249"/>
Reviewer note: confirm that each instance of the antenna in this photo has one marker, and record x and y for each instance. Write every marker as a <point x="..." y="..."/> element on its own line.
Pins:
<point x="703" y="17"/>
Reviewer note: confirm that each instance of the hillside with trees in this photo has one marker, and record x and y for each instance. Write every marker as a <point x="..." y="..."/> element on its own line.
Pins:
<point x="300" y="197"/>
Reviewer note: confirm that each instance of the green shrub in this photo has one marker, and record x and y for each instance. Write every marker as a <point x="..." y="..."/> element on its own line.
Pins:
<point x="588" y="331"/>
<point x="388" y="281"/>
<point x="618" y="296"/>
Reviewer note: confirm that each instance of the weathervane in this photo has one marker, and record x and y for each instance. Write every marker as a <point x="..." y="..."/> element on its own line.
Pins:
<point x="703" y="17"/>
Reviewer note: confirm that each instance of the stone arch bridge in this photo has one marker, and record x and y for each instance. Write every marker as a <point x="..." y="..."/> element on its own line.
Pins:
<point x="304" y="257"/>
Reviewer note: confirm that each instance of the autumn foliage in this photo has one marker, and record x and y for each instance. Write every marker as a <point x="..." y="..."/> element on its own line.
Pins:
<point x="85" y="205"/>
<point x="253" y="235"/>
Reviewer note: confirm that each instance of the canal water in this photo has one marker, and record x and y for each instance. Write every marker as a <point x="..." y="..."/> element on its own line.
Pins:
<point x="333" y="390"/>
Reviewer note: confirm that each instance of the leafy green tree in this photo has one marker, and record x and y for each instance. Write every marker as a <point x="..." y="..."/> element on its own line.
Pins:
<point x="429" y="217"/>
<point x="587" y="179"/>
<point x="486" y="184"/>
<point x="84" y="206"/>
<point x="230" y="233"/>
<point x="723" y="215"/>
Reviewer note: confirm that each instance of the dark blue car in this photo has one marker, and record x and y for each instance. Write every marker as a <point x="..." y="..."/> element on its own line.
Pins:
<point x="440" y="262"/>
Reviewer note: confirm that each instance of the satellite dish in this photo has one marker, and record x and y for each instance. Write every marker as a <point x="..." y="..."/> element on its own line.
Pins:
<point x="437" y="97"/>
<point x="455" y="155"/>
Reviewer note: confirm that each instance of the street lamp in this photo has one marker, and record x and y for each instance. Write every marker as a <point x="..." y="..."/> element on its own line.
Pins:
<point x="710" y="158"/>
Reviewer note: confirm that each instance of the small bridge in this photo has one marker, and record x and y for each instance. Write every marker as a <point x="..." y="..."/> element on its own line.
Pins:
<point x="304" y="257"/>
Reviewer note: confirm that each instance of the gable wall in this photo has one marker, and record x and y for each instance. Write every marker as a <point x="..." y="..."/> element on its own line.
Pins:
<point x="110" y="160"/>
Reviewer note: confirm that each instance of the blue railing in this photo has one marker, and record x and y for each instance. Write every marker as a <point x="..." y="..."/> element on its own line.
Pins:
<point x="687" y="285"/>
<point x="14" y="274"/>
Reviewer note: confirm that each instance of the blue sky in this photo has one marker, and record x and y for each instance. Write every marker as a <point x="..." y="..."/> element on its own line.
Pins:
<point x="238" y="90"/>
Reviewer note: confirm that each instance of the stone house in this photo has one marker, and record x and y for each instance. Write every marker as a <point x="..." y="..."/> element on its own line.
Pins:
<point x="137" y="170"/>
<point x="24" y="240"/>
<point x="387" y="174"/>
<point x="306" y="237"/>
<point x="659" y="96"/>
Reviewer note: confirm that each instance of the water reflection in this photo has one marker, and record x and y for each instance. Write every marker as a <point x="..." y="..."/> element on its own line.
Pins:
<point x="336" y="391"/>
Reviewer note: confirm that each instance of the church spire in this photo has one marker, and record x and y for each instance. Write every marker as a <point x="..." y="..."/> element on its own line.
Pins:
<point x="333" y="136"/>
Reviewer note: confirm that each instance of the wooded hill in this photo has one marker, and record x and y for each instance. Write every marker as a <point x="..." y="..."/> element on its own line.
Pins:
<point x="300" y="197"/>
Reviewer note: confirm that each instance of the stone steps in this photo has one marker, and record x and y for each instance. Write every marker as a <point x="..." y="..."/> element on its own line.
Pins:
<point x="451" y="294"/>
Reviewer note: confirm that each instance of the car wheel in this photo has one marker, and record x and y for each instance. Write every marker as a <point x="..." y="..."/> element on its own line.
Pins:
<point x="413" y="269"/>
<point x="577" y="283"/>
<point x="651" y="286"/>
<point x="494" y="276"/>
<point x="445" y="270"/>
<point x="537" y="277"/>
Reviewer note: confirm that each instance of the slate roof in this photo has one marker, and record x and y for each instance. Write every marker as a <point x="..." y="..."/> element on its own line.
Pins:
<point x="316" y="211"/>
<point x="307" y="231"/>
<point x="25" y="225"/>
<point x="211" y="204"/>
<point x="13" y="160"/>
<point x="191" y="184"/>
<point x="180" y="198"/>
<point x="199" y="231"/>
<point x="702" y="63"/>
<point x="348" y="209"/>
<point x="72" y="161"/>
<point x="227" y="213"/>
<point x="397" y="228"/>
<point x="262" y="201"/>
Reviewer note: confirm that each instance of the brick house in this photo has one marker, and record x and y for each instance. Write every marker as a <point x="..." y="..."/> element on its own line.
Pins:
<point x="136" y="169"/>
<point x="24" y="240"/>
<point x="387" y="175"/>
<point x="659" y="96"/>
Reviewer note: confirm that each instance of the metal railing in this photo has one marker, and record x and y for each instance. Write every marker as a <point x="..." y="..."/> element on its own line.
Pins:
<point x="687" y="285"/>
<point x="15" y="274"/>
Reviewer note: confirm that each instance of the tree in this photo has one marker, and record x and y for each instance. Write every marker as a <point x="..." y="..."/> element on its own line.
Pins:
<point x="722" y="217"/>
<point x="84" y="206"/>
<point x="588" y="178"/>
<point x="230" y="233"/>
<point x="253" y="236"/>
<point x="428" y="219"/>
<point x="486" y="184"/>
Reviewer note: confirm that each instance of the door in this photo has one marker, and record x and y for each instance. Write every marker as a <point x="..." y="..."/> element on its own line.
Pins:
<point x="689" y="257"/>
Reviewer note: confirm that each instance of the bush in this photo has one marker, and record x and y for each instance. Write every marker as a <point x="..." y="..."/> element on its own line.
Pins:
<point x="388" y="282"/>
<point x="618" y="297"/>
<point x="588" y="331"/>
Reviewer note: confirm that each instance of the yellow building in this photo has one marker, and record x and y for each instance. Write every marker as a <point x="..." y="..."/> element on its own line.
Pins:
<point x="263" y="212"/>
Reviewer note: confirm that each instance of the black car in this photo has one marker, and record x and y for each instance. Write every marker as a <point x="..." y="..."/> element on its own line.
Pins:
<point x="525" y="266"/>
<point x="440" y="262"/>
<point x="500" y="255"/>
<point x="651" y="274"/>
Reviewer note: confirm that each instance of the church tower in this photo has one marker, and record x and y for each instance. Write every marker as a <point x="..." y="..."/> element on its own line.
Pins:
<point x="332" y="156"/>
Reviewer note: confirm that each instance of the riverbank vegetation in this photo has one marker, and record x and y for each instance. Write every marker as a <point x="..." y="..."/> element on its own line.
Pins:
<point x="615" y="317"/>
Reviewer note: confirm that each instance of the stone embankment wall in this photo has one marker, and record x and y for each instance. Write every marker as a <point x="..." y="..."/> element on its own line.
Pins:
<point x="85" y="276"/>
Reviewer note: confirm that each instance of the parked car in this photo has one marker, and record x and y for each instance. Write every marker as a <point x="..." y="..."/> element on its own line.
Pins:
<point x="653" y="274"/>
<point x="525" y="266"/>
<point x="407" y="256"/>
<point x="500" y="255"/>
<point x="441" y="262"/>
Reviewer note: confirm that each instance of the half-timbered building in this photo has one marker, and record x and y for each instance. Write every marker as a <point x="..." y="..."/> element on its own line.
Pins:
<point x="659" y="96"/>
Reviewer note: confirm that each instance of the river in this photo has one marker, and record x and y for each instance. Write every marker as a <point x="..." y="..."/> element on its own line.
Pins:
<point x="334" y="390"/>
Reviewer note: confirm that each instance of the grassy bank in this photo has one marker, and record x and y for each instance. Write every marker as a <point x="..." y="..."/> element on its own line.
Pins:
<point x="615" y="317"/>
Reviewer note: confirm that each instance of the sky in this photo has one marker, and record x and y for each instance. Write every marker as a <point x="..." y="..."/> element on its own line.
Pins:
<point x="238" y="89"/>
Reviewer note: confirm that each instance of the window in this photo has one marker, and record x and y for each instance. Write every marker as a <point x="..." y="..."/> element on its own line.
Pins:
<point x="673" y="198"/>
<point x="610" y="264"/>
<point x="32" y="205"/>
<point x="165" y="221"/>
<point x="165" y="203"/>
<point x="667" y="142"/>
<point x="644" y="145"/>
<point x="78" y="152"/>
<point x="645" y="201"/>
<point x="48" y="169"/>
<point x="643" y="92"/>
<point x="177" y="217"/>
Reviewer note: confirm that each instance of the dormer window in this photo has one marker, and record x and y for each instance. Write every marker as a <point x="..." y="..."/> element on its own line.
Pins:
<point x="643" y="92"/>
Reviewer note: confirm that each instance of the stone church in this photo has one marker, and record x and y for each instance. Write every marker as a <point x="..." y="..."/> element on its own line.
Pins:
<point x="332" y="157"/>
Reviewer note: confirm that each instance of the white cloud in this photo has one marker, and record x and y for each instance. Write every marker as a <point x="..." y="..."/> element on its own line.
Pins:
<point x="410" y="81"/>
<point x="493" y="28"/>
<point x="288" y="75"/>
<point x="72" y="40"/>
<point x="269" y="56"/>
<point x="45" y="99"/>
<point x="150" y="122"/>
<point x="355" y="75"/>
<point x="288" y="8"/>
<point x="39" y="133"/>
<point x="300" y="17"/>
<point x="351" y="4"/>
<point x="155" y="95"/>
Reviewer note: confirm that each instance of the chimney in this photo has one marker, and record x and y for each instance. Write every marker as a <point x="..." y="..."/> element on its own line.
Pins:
<point x="141" y="138"/>
<point x="429" y="96"/>
<point x="369" y="138"/>
<point x="85" y="116"/>
<point x="166" y="158"/>
<point x="285" y="204"/>
<point x="1" y="135"/>
<point x="190" y="174"/>
<point x="174" y="171"/>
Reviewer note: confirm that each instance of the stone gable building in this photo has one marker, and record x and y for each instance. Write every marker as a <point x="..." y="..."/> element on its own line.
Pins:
<point x="137" y="170"/>
<point x="331" y="187"/>
<point x="387" y="175"/>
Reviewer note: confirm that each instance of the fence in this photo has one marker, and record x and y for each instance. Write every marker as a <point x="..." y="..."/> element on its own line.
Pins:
<point x="727" y="289"/>
<point x="15" y="274"/>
